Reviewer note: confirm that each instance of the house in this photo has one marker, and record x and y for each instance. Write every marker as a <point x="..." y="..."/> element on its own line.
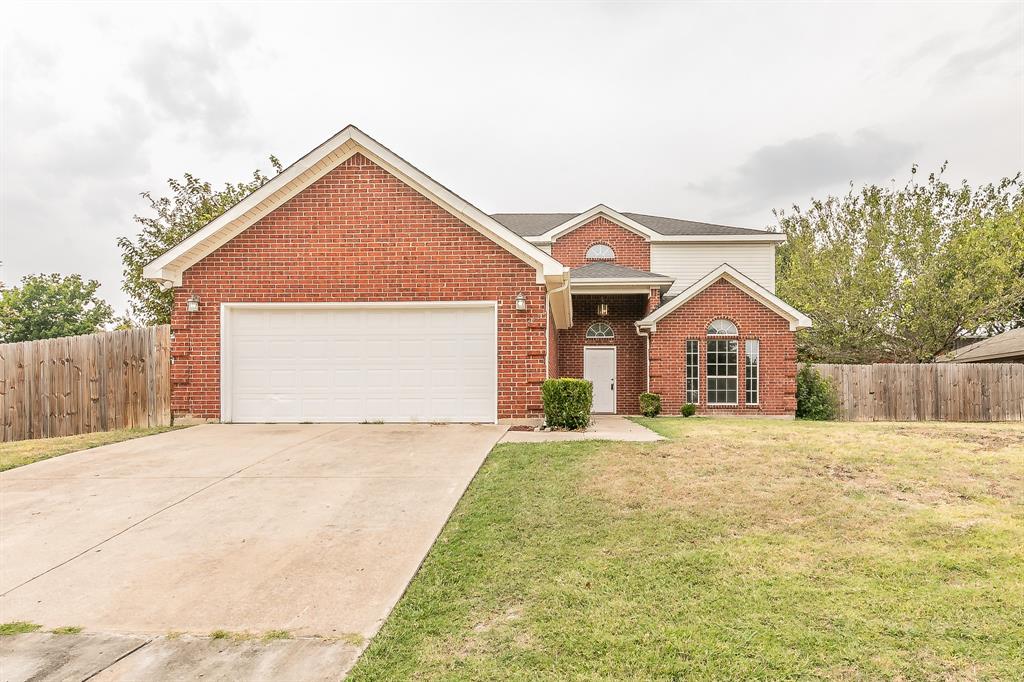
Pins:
<point x="353" y="287"/>
<point x="1005" y="347"/>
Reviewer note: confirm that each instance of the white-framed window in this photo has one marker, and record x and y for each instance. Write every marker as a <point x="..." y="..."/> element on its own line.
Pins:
<point x="722" y="328"/>
<point x="600" y="330"/>
<point x="722" y="371"/>
<point x="600" y="252"/>
<point x="752" y="363"/>
<point x="692" y="371"/>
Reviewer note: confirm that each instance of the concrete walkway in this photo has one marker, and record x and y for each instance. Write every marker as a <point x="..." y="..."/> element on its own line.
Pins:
<point x="315" y="529"/>
<point x="603" y="427"/>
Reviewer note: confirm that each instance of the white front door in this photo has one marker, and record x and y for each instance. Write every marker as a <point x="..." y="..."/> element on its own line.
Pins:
<point x="599" y="369"/>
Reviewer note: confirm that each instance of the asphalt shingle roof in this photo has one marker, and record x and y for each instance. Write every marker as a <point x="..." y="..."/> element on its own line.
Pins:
<point x="1006" y="345"/>
<point x="536" y="224"/>
<point x="610" y="271"/>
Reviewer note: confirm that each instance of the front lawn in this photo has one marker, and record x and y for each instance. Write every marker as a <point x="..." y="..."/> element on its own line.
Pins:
<point x="21" y="452"/>
<point x="740" y="549"/>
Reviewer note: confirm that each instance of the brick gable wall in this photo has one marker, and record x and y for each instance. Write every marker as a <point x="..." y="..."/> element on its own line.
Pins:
<point x="754" y="321"/>
<point x="630" y="347"/>
<point x="631" y="250"/>
<point x="359" y="234"/>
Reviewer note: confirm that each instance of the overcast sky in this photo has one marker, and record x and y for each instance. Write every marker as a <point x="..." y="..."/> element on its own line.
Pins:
<point x="713" y="112"/>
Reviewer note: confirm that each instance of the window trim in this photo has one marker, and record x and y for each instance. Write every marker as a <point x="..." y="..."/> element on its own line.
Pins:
<point x="686" y="372"/>
<point x="610" y="335"/>
<point x="735" y="329"/>
<point x="735" y="377"/>
<point x="596" y="245"/>
<point x="746" y="372"/>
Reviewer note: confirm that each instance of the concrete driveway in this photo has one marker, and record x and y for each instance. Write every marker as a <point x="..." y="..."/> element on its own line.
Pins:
<point x="314" y="528"/>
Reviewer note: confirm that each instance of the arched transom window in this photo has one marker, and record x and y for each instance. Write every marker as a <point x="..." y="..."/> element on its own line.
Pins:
<point x="600" y="252"/>
<point x="722" y="328"/>
<point x="600" y="330"/>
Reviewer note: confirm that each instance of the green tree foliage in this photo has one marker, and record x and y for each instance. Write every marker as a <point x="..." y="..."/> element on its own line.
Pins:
<point x="192" y="204"/>
<point x="48" y="306"/>
<point x="899" y="273"/>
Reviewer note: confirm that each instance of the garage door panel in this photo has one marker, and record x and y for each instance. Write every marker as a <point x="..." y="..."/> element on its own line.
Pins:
<point x="362" y="364"/>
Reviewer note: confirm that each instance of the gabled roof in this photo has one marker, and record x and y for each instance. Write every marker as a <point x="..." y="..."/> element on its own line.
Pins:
<point x="536" y="226"/>
<point x="1009" y="344"/>
<point x="314" y="165"/>
<point x="611" y="271"/>
<point x="797" y="320"/>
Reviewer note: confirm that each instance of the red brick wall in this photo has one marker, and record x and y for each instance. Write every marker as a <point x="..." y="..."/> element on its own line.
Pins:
<point x="630" y="348"/>
<point x="631" y="250"/>
<point x="754" y="321"/>
<point x="359" y="234"/>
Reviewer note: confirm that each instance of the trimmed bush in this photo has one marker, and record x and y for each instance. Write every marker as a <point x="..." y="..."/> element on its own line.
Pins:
<point x="816" y="396"/>
<point x="688" y="410"/>
<point x="567" y="402"/>
<point x="650" y="404"/>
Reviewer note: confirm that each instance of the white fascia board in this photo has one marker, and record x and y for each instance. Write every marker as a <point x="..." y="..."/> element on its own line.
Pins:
<point x="653" y="281"/>
<point x="774" y="237"/>
<point x="171" y="264"/>
<point x="797" y="320"/>
<point x="612" y="290"/>
<point x="767" y="237"/>
<point x="585" y="217"/>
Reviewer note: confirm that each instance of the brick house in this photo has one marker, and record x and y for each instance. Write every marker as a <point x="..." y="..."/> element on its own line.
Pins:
<point x="353" y="287"/>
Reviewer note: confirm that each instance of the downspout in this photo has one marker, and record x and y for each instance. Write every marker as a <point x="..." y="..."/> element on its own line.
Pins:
<point x="647" y="356"/>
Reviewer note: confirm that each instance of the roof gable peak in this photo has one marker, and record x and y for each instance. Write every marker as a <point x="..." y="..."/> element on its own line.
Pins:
<point x="598" y="211"/>
<point x="334" y="151"/>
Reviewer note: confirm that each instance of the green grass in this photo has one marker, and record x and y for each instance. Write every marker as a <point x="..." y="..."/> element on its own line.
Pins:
<point x="740" y="549"/>
<point x="67" y="630"/>
<point x="18" y="627"/>
<point x="271" y="635"/>
<point x="21" y="452"/>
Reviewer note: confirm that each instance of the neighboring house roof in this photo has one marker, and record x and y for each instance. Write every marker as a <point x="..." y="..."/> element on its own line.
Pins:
<point x="606" y="271"/>
<point x="1009" y="344"/>
<point x="797" y="320"/>
<point x="317" y="163"/>
<point x="539" y="225"/>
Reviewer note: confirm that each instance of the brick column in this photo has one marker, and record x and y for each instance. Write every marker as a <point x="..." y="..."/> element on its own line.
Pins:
<point x="653" y="301"/>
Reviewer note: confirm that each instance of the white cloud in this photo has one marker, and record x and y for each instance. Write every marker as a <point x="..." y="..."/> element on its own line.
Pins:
<point x="516" y="106"/>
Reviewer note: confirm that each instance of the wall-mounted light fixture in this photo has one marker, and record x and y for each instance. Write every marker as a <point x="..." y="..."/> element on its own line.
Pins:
<point x="192" y="304"/>
<point x="602" y="310"/>
<point x="520" y="302"/>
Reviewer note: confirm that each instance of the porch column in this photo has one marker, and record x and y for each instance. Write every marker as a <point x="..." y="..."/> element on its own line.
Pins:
<point x="653" y="301"/>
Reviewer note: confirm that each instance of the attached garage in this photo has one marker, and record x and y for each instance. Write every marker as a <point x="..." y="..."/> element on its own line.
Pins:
<point x="391" y="362"/>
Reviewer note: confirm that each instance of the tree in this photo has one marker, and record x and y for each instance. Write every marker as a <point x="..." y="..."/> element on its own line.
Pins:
<point x="192" y="204"/>
<point x="899" y="273"/>
<point x="48" y="306"/>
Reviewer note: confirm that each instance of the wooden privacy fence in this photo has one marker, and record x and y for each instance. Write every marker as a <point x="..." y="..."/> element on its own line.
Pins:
<point x="80" y="384"/>
<point x="967" y="392"/>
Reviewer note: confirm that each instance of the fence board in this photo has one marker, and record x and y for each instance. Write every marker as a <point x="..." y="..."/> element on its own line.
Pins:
<point x="919" y="392"/>
<point x="80" y="384"/>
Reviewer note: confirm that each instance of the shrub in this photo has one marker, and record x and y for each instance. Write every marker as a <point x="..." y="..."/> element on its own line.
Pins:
<point x="816" y="396"/>
<point x="688" y="410"/>
<point x="650" y="404"/>
<point x="567" y="402"/>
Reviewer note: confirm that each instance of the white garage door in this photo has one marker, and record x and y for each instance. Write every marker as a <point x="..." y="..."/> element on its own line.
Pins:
<point x="428" y="363"/>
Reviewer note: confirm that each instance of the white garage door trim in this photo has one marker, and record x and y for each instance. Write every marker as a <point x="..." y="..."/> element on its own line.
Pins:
<point x="225" y="331"/>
